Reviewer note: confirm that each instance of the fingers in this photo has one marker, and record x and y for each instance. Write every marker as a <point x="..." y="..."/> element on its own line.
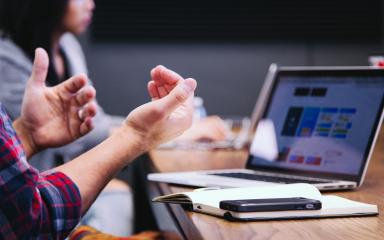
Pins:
<point x="162" y="91"/>
<point x="40" y="67"/>
<point x="178" y="95"/>
<point x="88" y="111"/>
<point x="86" y="115"/>
<point x="86" y="95"/>
<point x="152" y="90"/>
<point x="157" y="92"/>
<point x="76" y="87"/>
<point x="163" y="76"/>
<point x="86" y="126"/>
<point x="164" y="80"/>
<point x="74" y="84"/>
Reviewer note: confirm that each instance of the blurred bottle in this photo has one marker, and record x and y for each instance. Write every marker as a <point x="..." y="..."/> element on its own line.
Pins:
<point x="200" y="111"/>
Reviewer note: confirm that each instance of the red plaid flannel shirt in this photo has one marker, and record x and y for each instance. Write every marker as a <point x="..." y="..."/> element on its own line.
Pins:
<point x="33" y="205"/>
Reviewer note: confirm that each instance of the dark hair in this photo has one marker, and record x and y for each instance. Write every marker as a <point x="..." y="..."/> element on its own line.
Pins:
<point x="31" y="24"/>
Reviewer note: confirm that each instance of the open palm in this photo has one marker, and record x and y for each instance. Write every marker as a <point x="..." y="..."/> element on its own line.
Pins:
<point x="58" y="115"/>
<point x="170" y="112"/>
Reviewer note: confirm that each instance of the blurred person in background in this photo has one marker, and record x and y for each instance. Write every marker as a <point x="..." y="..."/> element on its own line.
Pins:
<point x="53" y="25"/>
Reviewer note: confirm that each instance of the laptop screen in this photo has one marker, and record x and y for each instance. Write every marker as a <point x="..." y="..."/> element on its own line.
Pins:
<point x="321" y="122"/>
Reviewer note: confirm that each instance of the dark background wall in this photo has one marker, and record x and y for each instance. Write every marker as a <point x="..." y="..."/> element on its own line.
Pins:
<point x="229" y="60"/>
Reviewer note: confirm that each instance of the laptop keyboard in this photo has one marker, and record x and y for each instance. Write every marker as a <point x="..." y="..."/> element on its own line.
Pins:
<point x="265" y="178"/>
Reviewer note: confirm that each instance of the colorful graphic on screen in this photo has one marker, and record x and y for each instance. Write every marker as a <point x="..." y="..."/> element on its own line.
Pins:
<point x="323" y="124"/>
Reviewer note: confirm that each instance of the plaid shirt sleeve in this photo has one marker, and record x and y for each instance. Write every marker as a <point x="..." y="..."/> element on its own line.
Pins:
<point x="32" y="205"/>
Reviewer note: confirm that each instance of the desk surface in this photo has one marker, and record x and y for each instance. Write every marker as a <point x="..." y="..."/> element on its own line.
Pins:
<point x="199" y="226"/>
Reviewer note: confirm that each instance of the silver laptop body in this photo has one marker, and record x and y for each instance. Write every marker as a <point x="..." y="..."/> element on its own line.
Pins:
<point x="316" y="125"/>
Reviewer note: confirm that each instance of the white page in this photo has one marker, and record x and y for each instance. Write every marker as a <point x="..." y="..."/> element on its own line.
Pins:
<point x="213" y="197"/>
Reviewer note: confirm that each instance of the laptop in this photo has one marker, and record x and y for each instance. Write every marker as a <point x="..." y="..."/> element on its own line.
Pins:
<point x="315" y="125"/>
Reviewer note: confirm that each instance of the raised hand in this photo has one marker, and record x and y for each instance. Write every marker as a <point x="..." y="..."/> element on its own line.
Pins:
<point x="54" y="116"/>
<point x="208" y="129"/>
<point x="167" y="116"/>
<point x="163" y="81"/>
<point x="170" y="112"/>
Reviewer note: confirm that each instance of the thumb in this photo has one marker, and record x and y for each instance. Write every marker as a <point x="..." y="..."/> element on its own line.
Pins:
<point x="40" y="67"/>
<point x="178" y="95"/>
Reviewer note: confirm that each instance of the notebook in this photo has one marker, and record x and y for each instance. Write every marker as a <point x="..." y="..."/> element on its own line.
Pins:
<point x="315" y="125"/>
<point x="208" y="202"/>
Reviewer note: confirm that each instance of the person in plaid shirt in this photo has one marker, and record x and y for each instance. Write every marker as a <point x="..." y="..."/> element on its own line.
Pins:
<point x="49" y="205"/>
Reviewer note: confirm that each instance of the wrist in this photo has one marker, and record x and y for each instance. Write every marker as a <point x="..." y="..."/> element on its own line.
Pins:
<point x="136" y="140"/>
<point x="25" y="137"/>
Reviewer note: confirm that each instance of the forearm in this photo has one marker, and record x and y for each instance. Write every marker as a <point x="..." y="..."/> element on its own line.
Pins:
<point x="94" y="169"/>
<point x="25" y="138"/>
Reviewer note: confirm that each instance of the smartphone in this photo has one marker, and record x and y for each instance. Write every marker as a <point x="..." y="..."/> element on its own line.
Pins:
<point x="270" y="204"/>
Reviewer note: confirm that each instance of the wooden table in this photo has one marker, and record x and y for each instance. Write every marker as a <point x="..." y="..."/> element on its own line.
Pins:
<point x="191" y="225"/>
